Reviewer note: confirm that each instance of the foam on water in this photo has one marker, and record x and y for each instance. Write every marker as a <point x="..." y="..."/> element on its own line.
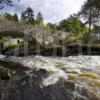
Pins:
<point x="82" y="71"/>
<point x="60" y="67"/>
<point x="2" y="56"/>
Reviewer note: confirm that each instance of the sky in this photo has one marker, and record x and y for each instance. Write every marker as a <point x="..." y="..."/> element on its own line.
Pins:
<point x="52" y="10"/>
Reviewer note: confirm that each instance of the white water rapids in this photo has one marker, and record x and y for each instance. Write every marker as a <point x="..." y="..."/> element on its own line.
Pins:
<point x="60" y="68"/>
<point x="84" y="71"/>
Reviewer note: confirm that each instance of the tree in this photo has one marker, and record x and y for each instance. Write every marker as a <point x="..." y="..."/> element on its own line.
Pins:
<point x="28" y="15"/>
<point x="39" y="18"/>
<point x="11" y="17"/>
<point x="90" y="11"/>
<point x="94" y="3"/>
<point x="15" y="17"/>
<point x="8" y="16"/>
<point x="23" y="16"/>
<point x="96" y="29"/>
<point x="72" y="25"/>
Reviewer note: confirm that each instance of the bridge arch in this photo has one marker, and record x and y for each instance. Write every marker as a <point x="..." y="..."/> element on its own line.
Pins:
<point x="33" y="44"/>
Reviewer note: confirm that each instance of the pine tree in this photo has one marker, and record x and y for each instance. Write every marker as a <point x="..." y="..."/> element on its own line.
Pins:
<point x="39" y="18"/>
<point x="15" y="17"/>
<point x="90" y="11"/>
<point x="28" y="15"/>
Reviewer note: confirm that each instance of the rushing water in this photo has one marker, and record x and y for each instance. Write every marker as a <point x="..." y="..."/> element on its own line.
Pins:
<point x="61" y="67"/>
<point x="83" y="70"/>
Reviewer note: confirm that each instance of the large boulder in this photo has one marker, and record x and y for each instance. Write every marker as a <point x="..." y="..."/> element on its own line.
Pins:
<point x="34" y="79"/>
<point x="4" y="73"/>
<point x="29" y="86"/>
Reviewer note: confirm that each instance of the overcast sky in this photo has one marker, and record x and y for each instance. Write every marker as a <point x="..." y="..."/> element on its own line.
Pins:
<point x="52" y="10"/>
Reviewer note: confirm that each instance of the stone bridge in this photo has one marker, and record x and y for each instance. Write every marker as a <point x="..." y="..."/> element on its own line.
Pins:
<point x="20" y="30"/>
<point x="35" y="36"/>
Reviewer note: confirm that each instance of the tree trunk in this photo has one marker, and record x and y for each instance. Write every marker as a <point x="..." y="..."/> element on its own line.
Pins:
<point x="90" y="22"/>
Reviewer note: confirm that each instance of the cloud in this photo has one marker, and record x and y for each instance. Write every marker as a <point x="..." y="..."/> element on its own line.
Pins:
<point x="52" y="10"/>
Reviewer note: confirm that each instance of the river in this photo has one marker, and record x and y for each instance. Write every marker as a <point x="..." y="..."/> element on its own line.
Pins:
<point x="83" y="70"/>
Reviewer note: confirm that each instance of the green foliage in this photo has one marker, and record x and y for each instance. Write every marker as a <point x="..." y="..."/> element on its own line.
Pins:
<point x="39" y="18"/>
<point x="4" y="39"/>
<point x="71" y="39"/>
<point x="2" y="18"/>
<point x="73" y="25"/>
<point x="8" y="16"/>
<point x="96" y="29"/>
<point x="90" y="11"/>
<point x="11" y="17"/>
<point x="28" y="15"/>
<point x="94" y="3"/>
<point x="15" y="17"/>
<point x="51" y="26"/>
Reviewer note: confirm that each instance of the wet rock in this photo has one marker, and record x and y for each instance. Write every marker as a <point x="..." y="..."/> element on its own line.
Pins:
<point x="42" y="72"/>
<point x="4" y="73"/>
<point x="88" y="93"/>
<point x="29" y="86"/>
<point x="58" y="92"/>
<point x="69" y="85"/>
<point x="12" y="64"/>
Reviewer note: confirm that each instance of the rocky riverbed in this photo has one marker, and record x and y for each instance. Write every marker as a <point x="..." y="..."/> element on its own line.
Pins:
<point x="50" y="78"/>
